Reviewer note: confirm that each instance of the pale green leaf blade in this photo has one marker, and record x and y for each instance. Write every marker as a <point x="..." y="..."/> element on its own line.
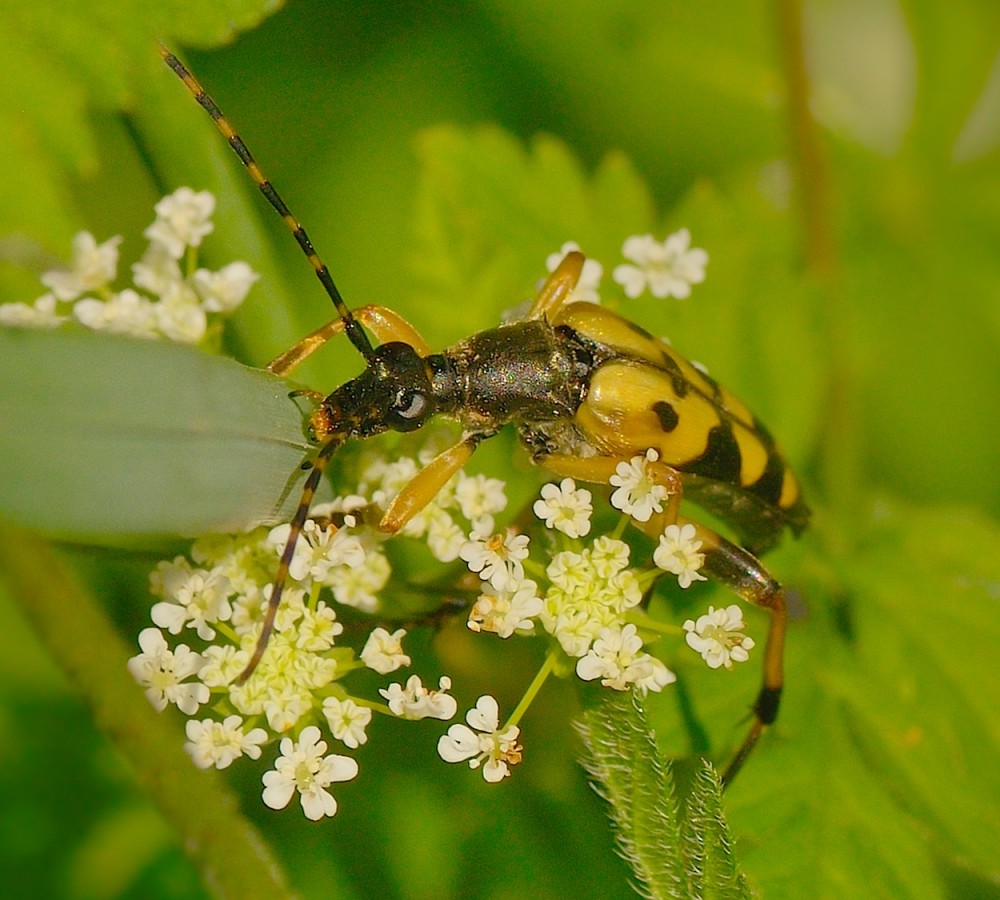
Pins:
<point x="115" y="440"/>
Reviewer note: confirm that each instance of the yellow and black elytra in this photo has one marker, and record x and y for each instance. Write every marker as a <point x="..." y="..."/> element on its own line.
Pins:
<point x="586" y="389"/>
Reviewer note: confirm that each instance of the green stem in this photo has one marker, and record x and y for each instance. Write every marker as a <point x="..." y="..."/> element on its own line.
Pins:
<point x="231" y="854"/>
<point x="842" y="440"/>
<point x="534" y="687"/>
<point x="807" y="157"/>
<point x="646" y="622"/>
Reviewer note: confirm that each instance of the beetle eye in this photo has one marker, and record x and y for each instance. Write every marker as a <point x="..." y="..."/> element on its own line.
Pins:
<point x="409" y="411"/>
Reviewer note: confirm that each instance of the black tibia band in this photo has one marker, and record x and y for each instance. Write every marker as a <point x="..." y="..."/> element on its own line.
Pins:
<point x="766" y="707"/>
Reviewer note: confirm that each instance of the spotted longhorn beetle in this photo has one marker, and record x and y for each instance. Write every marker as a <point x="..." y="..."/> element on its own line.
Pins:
<point x="586" y="390"/>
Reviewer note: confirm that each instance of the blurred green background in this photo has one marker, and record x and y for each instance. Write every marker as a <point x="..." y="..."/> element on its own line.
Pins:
<point x="862" y="325"/>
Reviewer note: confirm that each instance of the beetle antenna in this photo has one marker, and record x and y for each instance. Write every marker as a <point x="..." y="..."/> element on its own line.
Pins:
<point x="355" y="332"/>
<point x="295" y="531"/>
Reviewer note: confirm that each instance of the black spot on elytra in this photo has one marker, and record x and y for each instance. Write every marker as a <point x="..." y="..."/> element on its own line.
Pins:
<point x="768" y="487"/>
<point x="721" y="460"/>
<point x="667" y="415"/>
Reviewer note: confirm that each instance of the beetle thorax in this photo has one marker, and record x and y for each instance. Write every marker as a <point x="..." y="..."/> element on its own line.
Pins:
<point x="521" y="372"/>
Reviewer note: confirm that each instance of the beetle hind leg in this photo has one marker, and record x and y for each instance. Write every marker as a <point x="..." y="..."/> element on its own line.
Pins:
<point x="739" y="570"/>
<point x="730" y="565"/>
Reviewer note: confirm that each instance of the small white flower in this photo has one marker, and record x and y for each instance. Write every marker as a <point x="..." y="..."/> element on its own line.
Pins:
<point x="199" y="601"/>
<point x="317" y="628"/>
<point x="499" y="750"/>
<point x="677" y="553"/>
<point x="169" y="576"/>
<point x="480" y="498"/>
<point x="226" y="289"/>
<point x="249" y="698"/>
<point x="218" y="744"/>
<point x="183" y="218"/>
<point x="347" y="721"/>
<point x="221" y="665"/>
<point x="125" y="313"/>
<point x="161" y="671"/>
<point x="617" y="659"/>
<point x="668" y="268"/>
<point x="718" y="637"/>
<point x="40" y="314"/>
<point x="314" y="671"/>
<point x="286" y="705"/>
<point x="157" y="271"/>
<point x="383" y="652"/>
<point x="586" y="290"/>
<point x="302" y="767"/>
<point x="180" y="317"/>
<point x="504" y="612"/>
<point x="94" y="266"/>
<point x="638" y="494"/>
<point x="444" y="536"/>
<point x="569" y="570"/>
<point x="565" y="508"/>
<point x="321" y="550"/>
<point x="418" y="702"/>
<point x="497" y="558"/>
<point x="609" y="556"/>
<point x="359" y="587"/>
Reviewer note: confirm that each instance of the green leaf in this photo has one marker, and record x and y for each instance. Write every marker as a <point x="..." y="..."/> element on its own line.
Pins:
<point x="676" y="850"/>
<point x="113" y="440"/>
<point x="67" y="60"/>
<point x="876" y="778"/>
<point x="491" y="210"/>
<point x="924" y="601"/>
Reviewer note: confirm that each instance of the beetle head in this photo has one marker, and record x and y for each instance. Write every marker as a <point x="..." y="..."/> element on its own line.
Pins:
<point x="393" y="393"/>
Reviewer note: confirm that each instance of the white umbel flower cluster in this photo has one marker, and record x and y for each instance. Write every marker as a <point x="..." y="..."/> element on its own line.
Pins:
<point x="167" y="300"/>
<point x="552" y="577"/>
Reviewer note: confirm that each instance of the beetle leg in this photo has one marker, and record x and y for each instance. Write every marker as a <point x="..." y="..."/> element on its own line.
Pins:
<point x="385" y="324"/>
<point x="728" y="564"/>
<point x="558" y="288"/>
<point x="739" y="570"/>
<point x="424" y="486"/>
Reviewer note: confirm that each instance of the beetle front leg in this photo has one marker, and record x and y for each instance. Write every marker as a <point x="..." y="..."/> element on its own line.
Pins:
<point x="385" y="324"/>
<point x="421" y="490"/>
